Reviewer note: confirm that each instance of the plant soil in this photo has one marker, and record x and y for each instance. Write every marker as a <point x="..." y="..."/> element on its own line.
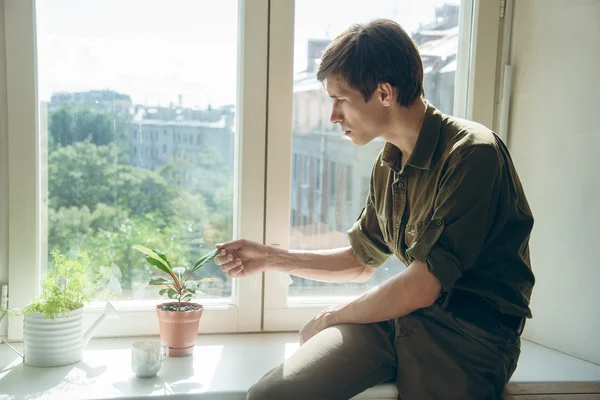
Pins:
<point x="173" y="307"/>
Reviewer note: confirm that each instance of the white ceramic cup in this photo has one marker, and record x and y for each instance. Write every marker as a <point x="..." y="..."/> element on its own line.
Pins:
<point x="147" y="357"/>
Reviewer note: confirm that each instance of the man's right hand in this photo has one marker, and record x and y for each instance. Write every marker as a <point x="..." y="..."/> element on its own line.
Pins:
<point x="241" y="258"/>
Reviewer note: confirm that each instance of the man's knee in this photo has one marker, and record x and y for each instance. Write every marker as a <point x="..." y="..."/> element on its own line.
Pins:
<point x="266" y="389"/>
<point x="272" y="386"/>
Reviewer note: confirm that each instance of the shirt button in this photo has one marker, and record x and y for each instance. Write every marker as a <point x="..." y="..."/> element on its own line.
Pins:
<point x="400" y="185"/>
<point x="438" y="223"/>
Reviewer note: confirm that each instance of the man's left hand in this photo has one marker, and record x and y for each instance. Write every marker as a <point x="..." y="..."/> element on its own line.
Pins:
<point x="326" y="318"/>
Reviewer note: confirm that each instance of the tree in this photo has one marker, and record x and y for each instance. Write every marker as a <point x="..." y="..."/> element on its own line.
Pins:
<point x="77" y="123"/>
<point x="84" y="175"/>
<point x="205" y="176"/>
<point x="112" y="245"/>
<point x="222" y="217"/>
<point x="69" y="229"/>
<point x="100" y="204"/>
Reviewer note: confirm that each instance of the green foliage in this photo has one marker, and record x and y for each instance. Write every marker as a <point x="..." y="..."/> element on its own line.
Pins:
<point x="85" y="175"/>
<point x="101" y="205"/>
<point x="223" y="221"/>
<point x="67" y="286"/>
<point x="179" y="286"/>
<point x="4" y="312"/>
<point x="77" y="123"/>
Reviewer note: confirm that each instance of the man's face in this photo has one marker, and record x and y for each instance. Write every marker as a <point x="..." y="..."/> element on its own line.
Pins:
<point x="361" y="121"/>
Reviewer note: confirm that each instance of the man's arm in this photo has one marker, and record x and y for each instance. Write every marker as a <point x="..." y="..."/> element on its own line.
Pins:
<point x="335" y="266"/>
<point x="464" y="213"/>
<point x="241" y="257"/>
<point x="410" y="290"/>
<point x="465" y="209"/>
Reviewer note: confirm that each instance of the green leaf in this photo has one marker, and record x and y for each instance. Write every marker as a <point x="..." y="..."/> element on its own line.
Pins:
<point x="179" y="270"/>
<point x="158" y="264"/>
<point x="172" y="293"/>
<point x="187" y="297"/>
<point x="205" y="258"/>
<point x="163" y="291"/>
<point x="159" y="281"/>
<point x="155" y="258"/>
<point x="191" y="286"/>
<point x="164" y="258"/>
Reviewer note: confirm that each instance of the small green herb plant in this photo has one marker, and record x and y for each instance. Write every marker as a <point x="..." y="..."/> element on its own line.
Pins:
<point x="179" y="286"/>
<point x="67" y="286"/>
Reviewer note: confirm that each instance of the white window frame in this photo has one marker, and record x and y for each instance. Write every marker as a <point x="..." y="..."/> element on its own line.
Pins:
<point x="474" y="99"/>
<point x="22" y="188"/>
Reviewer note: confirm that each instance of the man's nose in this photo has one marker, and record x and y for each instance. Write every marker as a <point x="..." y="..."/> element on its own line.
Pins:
<point x="335" y="116"/>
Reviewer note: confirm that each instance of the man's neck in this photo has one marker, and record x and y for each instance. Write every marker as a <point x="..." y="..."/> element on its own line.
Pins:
<point x="405" y="126"/>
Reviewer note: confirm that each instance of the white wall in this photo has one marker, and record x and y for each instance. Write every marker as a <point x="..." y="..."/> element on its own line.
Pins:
<point x="554" y="137"/>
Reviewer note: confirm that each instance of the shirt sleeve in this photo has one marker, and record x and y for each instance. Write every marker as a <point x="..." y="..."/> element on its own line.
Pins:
<point x="464" y="212"/>
<point x="366" y="238"/>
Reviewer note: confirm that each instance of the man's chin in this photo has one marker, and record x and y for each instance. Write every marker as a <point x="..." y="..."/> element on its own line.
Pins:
<point x="359" y="141"/>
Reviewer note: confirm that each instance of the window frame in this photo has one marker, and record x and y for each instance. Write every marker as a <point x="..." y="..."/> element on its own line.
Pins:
<point x="473" y="99"/>
<point x="22" y="188"/>
<point x="264" y="104"/>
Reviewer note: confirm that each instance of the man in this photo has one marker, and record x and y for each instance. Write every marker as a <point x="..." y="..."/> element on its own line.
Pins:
<point x="445" y="199"/>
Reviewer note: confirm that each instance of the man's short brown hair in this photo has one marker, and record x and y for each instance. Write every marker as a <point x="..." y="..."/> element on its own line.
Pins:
<point x="374" y="53"/>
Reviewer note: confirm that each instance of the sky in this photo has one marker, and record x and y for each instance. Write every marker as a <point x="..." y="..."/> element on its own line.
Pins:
<point x="154" y="50"/>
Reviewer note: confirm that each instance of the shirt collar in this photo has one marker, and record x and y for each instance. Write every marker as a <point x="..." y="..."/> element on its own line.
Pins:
<point x="424" y="147"/>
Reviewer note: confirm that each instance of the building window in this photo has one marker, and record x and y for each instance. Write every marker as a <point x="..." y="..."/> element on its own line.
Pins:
<point x="305" y="161"/>
<point x="332" y="179"/>
<point x="295" y="168"/>
<point x="318" y="174"/>
<point x="349" y="181"/>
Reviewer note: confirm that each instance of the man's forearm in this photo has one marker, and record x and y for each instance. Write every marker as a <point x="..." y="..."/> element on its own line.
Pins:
<point x="336" y="265"/>
<point x="402" y="294"/>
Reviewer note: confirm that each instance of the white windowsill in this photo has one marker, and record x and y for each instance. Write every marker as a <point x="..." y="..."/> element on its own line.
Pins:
<point x="222" y="367"/>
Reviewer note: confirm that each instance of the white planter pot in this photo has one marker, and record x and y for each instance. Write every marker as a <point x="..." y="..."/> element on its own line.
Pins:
<point x="53" y="343"/>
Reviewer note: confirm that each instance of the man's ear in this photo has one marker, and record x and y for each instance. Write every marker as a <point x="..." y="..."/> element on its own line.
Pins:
<point x="386" y="93"/>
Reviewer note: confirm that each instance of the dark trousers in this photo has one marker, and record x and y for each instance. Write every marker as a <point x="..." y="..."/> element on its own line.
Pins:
<point x="440" y="352"/>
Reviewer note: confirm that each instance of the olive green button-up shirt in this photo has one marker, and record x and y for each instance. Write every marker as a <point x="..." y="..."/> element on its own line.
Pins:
<point x="457" y="205"/>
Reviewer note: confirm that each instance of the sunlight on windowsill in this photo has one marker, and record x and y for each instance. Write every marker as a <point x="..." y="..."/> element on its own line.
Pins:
<point x="222" y="367"/>
<point x="150" y="304"/>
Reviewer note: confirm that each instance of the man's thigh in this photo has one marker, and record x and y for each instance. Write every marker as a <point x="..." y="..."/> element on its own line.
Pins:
<point x="443" y="357"/>
<point x="337" y="363"/>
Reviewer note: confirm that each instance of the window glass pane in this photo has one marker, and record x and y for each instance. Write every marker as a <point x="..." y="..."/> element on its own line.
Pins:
<point x="137" y="111"/>
<point x="320" y="218"/>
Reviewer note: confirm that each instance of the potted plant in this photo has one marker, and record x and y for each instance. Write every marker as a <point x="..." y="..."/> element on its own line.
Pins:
<point x="178" y="320"/>
<point x="53" y="332"/>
